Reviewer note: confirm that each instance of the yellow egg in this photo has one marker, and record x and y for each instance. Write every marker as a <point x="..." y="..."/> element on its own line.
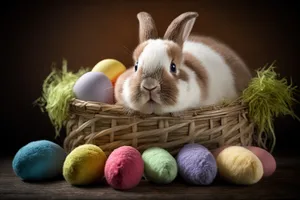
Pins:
<point x="84" y="165"/>
<point x="239" y="165"/>
<point x="111" y="68"/>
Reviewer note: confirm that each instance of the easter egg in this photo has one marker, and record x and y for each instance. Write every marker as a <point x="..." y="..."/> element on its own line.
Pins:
<point x="196" y="164"/>
<point x="94" y="86"/>
<point x="39" y="160"/>
<point x="216" y="151"/>
<point x="111" y="68"/>
<point x="159" y="165"/>
<point x="239" y="165"/>
<point x="124" y="168"/>
<point x="84" y="165"/>
<point x="267" y="160"/>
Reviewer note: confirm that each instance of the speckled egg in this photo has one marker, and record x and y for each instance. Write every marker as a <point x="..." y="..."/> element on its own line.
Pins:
<point x="39" y="160"/>
<point x="94" y="86"/>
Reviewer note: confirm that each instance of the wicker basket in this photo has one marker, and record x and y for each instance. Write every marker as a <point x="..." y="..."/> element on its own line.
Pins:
<point x="109" y="127"/>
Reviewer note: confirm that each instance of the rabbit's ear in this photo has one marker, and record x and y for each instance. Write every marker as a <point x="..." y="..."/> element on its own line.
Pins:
<point x="147" y="29"/>
<point x="181" y="27"/>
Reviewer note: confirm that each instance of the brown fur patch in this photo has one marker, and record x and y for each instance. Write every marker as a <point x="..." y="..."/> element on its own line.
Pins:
<point x="182" y="76"/>
<point x="174" y="52"/>
<point x="202" y="78"/>
<point x="169" y="90"/>
<point x="138" y="50"/>
<point x="239" y="69"/>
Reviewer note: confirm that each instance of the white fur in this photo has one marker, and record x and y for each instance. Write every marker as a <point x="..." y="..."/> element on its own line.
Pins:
<point x="126" y="92"/>
<point x="154" y="56"/>
<point x="221" y="83"/>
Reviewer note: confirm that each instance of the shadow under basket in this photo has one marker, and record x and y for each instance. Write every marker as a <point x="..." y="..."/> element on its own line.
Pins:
<point x="110" y="126"/>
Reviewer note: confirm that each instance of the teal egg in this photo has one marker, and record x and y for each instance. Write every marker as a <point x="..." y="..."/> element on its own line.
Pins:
<point x="39" y="160"/>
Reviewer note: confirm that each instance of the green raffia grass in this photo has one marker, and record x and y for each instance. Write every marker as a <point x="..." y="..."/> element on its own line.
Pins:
<point x="57" y="93"/>
<point x="268" y="97"/>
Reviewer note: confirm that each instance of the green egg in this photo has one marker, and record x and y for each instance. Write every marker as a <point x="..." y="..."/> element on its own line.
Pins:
<point x="160" y="165"/>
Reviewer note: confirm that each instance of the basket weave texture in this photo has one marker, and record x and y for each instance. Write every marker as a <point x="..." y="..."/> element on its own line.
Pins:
<point x="110" y="126"/>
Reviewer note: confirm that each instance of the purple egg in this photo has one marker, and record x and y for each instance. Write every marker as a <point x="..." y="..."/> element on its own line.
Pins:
<point x="94" y="86"/>
<point x="196" y="164"/>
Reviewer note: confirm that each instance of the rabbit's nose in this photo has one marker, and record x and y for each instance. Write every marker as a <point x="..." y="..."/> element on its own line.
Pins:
<point x="150" y="85"/>
<point x="149" y="88"/>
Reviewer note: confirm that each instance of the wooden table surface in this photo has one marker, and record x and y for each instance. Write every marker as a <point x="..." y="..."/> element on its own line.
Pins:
<point x="284" y="184"/>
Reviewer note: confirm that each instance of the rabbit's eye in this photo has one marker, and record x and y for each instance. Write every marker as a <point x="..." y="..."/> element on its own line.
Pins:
<point x="136" y="66"/>
<point x="173" y="67"/>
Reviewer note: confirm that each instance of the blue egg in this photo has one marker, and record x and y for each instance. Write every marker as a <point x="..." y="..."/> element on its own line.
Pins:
<point x="39" y="160"/>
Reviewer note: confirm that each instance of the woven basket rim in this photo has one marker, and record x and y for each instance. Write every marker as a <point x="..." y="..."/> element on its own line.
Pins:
<point x="79" y="106"/>
<point x="110" y="126"/>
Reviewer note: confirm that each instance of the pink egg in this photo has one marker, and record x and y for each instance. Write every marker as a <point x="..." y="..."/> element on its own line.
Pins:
<point x="94" y="86"/>
<point x="268" y="161"/>
<point x="124" y="168"/>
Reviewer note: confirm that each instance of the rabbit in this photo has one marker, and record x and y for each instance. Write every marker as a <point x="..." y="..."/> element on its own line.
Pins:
<point x="179" y="71"/>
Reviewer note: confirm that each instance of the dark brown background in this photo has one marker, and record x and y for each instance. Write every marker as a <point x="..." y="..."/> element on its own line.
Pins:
<point x="33" y="35"/>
